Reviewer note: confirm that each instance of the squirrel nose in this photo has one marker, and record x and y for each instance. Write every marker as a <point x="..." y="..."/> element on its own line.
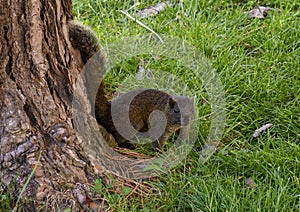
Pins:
<point x="185" y="121"/>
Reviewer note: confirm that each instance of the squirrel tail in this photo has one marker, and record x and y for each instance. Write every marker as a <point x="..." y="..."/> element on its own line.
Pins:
<point x="84" y="39"/>
<point x="102" y="105"/>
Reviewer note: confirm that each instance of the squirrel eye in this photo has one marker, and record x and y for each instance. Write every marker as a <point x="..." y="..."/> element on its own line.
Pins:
<point x="176" y="110"/>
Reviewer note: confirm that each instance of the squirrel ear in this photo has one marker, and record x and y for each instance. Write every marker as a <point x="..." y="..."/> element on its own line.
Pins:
<point x="101" y="85"/>
<point x="172" y="102"/>
<point x="192" y="100"/>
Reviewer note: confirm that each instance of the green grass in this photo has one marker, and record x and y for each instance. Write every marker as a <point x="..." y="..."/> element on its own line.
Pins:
<point x="258" y="64"/>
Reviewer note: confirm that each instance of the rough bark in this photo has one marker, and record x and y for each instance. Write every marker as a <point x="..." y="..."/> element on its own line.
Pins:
<point x="37" y="71"/>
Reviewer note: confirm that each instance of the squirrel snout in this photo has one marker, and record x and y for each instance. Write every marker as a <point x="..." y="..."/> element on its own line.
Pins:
<point x="185" y="120"/>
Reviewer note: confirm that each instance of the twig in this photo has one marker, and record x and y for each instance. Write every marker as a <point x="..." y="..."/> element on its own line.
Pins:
<point x="140" y="23"/>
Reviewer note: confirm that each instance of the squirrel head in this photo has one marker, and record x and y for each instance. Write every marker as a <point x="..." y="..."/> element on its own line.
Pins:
<point x="180" y="110"/>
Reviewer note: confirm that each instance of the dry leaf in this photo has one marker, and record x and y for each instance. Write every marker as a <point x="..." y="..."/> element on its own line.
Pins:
<point x="261" y="129"/>
<point x="259" y="12"/>
<point x="152" y="10"/>
<point x="142" y="72"/>
<point x="250" y="183"/>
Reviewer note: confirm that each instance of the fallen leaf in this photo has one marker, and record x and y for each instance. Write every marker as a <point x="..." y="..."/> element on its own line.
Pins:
<point x="152" y="10"/>
<point x="142" y="72"/>
<point x="250" y="183"/>
<point x="261" y="129"/>
<point x="259" y="12"/>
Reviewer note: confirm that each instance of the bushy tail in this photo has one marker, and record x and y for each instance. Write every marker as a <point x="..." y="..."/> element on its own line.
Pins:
<point x="102" y="105"/>
<point x="84" y="39"/>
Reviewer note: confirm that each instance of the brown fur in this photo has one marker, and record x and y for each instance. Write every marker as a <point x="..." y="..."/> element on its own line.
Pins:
<point x="142" y="105"/>
<point x="178" y="110"/>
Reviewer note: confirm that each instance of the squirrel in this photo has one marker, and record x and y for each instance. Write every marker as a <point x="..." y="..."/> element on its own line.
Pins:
<point x="84" y="39"/>
<point x="177" y="110"/>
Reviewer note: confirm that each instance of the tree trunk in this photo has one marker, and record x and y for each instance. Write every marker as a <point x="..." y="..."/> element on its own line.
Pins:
<point x="37" y="70"/>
